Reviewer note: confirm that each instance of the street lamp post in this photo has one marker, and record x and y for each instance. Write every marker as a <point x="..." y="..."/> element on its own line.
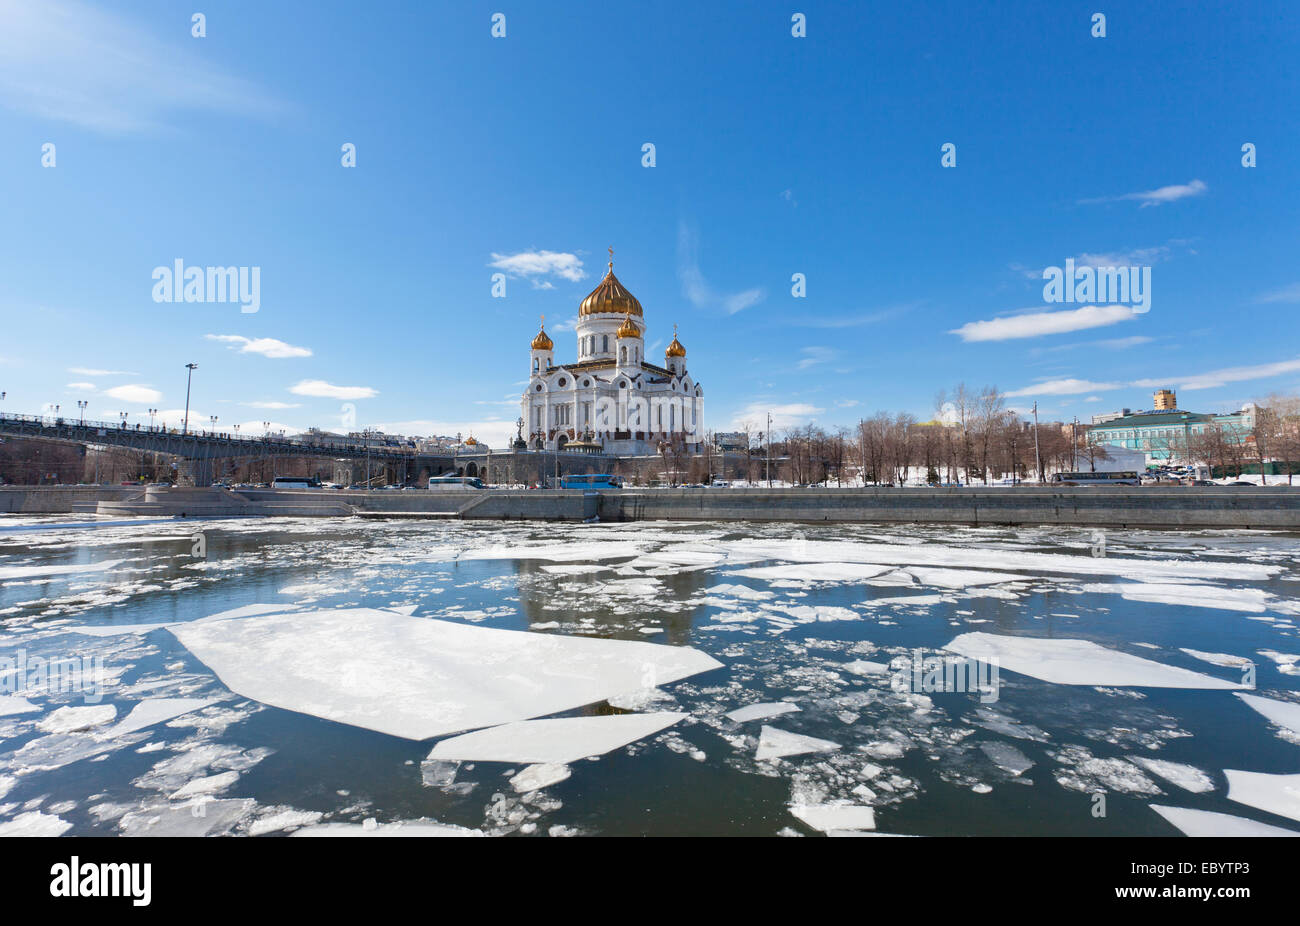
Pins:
<point x="153" y="412"/>
<point x="81" y="404"/>
<point x="1038" y="462"/>
<point x="769" y="450"/>
<point x="191" y="367"/>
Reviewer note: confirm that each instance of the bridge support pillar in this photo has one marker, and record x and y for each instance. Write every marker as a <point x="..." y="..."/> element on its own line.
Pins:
<point x="197" y="473"/>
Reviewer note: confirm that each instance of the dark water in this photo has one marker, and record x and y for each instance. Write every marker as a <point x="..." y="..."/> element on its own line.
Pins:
<point x="926" y="762"/>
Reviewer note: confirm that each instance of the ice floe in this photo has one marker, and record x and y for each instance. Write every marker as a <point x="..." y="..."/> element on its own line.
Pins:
<point x="372" y="828"/>
<point x="1209" y="823"/>
<point x="558" y="741"/>
<point x="1283" y="713"/>
<point x="34" y="823"/>
<point x="775" y="743"/>
<point x="1279" y="794"/>
<point x="838" y="817"/>
<point x="541" y="775"/>
<point x="761" y="711"/>
<point x="73" y="719"/>
<point x="1187" y="777"/>
<point x="419" y="678"/>
<point x="1078" y="662"/>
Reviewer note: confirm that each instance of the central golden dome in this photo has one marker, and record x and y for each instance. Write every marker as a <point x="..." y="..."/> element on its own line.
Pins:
<point x="610" y="296"/>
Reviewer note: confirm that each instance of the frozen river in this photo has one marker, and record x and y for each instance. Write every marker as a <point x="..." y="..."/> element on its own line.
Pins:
<point x="326" y="677"/>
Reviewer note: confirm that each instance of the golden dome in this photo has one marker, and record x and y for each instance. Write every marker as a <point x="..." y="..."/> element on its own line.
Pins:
<point x="470" y="441"/>
<point x="628" y="329"/>
<point x="675" y="349"/>
<point x="610" y="296"/>
<point x="542" y="341"/>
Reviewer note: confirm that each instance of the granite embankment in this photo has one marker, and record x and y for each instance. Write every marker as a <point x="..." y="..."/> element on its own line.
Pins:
<point x="1276" y="508"/>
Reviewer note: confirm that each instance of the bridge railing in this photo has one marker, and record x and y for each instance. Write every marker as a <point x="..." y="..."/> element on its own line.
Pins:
<point x="87" y="431"/>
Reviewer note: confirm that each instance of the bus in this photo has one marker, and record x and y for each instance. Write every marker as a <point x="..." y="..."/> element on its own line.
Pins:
<point x="592" y="481"/>
<point x="1096" y="479"/>
<point x="455" y="483"/>
<point x="295" y="482"/>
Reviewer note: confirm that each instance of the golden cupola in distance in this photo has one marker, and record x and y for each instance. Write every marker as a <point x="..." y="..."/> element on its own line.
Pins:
<point x="675" y="349"/>
<point x="542" y="341"/>
<point x="611" y="297"/>
<point x="628" y="329"/>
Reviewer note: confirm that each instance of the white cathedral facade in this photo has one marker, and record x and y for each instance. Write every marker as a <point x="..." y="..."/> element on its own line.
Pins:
<point x="611" y="399"/>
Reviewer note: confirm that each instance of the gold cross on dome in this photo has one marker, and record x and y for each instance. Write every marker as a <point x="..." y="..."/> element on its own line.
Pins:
<point x="543" y="321"/>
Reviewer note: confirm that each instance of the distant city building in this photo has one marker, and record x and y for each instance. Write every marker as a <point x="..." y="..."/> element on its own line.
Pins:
<point x="611" y="396"/>
<point x="1111" y="416"/>
<point x="731" y="440"/>
<point x="1165" y="400"/>
<point x="1165" y="435"/>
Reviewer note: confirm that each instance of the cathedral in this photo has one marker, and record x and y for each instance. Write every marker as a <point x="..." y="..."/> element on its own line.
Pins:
<point x="611" y="399"/>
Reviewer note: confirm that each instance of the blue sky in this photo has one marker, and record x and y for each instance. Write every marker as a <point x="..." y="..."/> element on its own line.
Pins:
<point x="775" y="155"/>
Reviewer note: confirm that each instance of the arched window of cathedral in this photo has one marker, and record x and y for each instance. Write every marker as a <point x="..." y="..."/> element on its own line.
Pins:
<point x="623" y="353"/>
<point x="606" y="342"/>
<point x="534" y="364"/>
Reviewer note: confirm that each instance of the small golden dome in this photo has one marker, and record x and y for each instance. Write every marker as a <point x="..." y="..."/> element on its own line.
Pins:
<point x="628" y="329"/>
<point x="542" y="341"/>
<point x="675" y="349"/>
<point x="610" y="296"/>
<point x="470" y="441"/>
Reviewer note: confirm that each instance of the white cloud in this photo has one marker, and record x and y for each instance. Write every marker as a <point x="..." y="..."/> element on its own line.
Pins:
<point x="272" y="405"/>
<point x="66" y="61"/>
<point x="697" y="289"/>
<point x="1224" y="376"/>
<point x="812" y="356"/>
<point x="1157" y="197"/>
<point x="88" y="371"/>
<point x="134" y="393"/>
<point x="267" y="347"/>
<point x="496" y="433"/>
<point x="1037" y="324"/>
<point x="1285" y="294"/>
<point x="1063" y="387"/>
<point x="535" y="266"/>
<point x="318" y="388"/>
<point x="81" y="387"/>
<point x="789" y="415"/>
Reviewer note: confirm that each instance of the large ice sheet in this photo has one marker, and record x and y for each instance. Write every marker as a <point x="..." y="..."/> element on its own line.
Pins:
<point x="40" y="572"/>
<point x="1078" y="662"/>
<point x="828" y="817"/>
<point x="557" y="741"/>
<point x="846" y="551"/>
<point x="1283" y="713"/>
<point x="1251" y="600"/>
<point x="419" y="678"/>
<point x="371" y="828"/>
<point x="815" y="572"/>
<point x="155" y="710"/>
<point x="775" y="743"/>
<point x="761" y="711"/>
<point x="1279" y="794"/>
<point x="1209" y="823"/>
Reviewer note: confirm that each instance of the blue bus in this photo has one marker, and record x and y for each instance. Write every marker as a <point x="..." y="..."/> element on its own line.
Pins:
<point x="592" y="481"/>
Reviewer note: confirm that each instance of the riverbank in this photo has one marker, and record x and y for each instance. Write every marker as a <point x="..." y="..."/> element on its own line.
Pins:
<point x="1239" y="507"/>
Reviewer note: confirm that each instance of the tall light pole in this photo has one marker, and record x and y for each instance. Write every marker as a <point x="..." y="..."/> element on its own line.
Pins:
<point x="1038" y="462"/>
<point x="1074" y="446"/>
<point x="81" y="404"/>
<point x="769" y="450"/>
<point x="191" y="367"/>
<point x="153" y="412"/>
<point x="213" y="419"/>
